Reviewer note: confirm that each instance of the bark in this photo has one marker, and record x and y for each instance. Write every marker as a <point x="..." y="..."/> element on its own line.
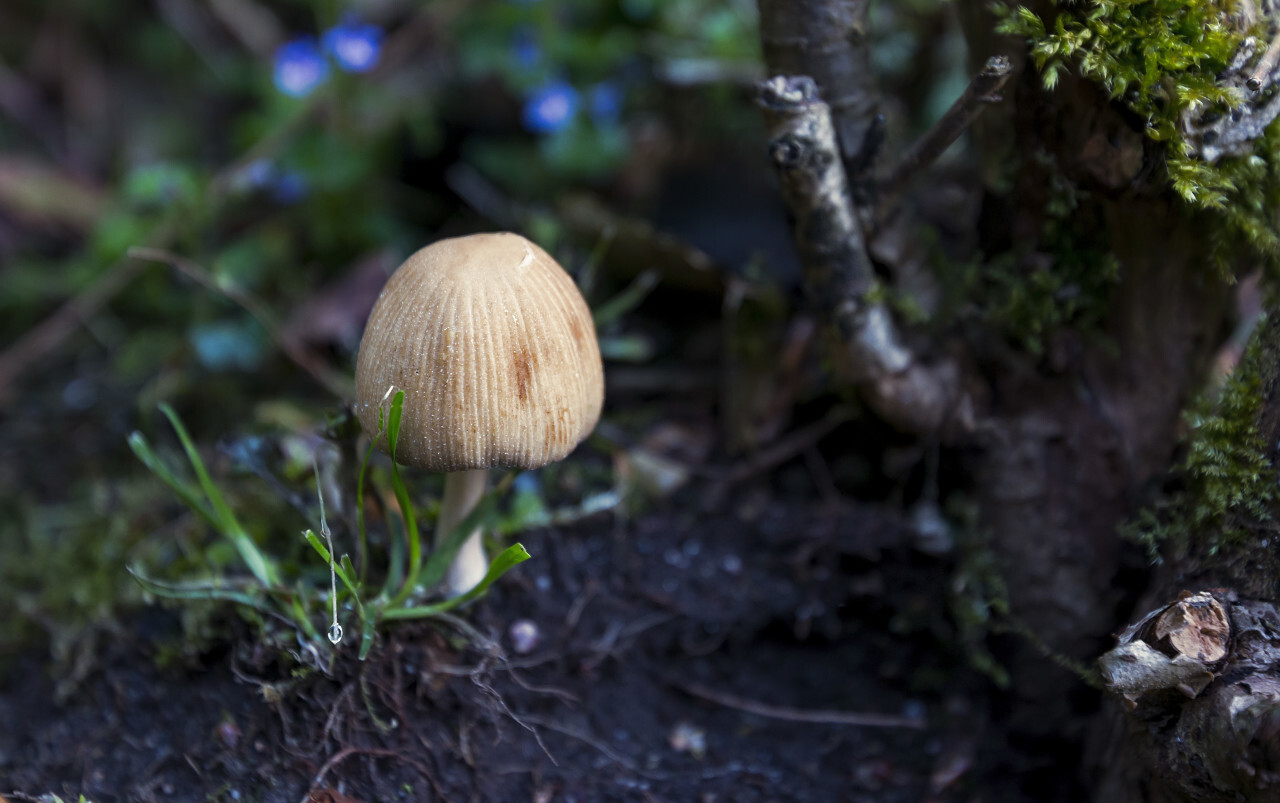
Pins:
<point x="1074" y="439"/>
<point x="1069" y="440"/>
<point x="1221" y="741"/>
<point x="1066" y="443"/>
<point x="913" y="394"/>
<point x="1068" y="453"/>
<point x="827" y="41"/>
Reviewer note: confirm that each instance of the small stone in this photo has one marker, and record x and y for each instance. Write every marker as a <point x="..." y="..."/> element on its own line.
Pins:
<point x="525" y="636"/>
<point x="688" y="738"/>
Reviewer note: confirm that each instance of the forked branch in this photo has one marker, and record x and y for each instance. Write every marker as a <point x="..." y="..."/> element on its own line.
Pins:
<point x="839" y="277"/>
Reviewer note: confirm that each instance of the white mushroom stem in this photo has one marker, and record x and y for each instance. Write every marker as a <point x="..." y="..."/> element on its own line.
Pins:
<point x="462" y="492"/>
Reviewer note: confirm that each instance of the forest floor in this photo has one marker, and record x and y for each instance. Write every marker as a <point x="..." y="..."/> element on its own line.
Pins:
<point x="700" y="652"/>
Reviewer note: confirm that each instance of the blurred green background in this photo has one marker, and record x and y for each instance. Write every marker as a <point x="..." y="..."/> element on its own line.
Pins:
<point x="270" y="163"/>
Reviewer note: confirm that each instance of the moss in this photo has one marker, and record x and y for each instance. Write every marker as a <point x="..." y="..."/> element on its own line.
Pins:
<point x="1028" y="305"/>
<point x="1065" y="282"/>
<point x="1228" y="482"/>
<point x="1164" y="59"/>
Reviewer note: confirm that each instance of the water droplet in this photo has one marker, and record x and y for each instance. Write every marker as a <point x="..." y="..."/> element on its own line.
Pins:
<point x="335" y="633"/>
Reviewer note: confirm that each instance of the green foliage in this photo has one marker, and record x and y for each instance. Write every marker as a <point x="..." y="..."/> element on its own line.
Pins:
<point x="1029" y="302"/>
<point x="277" y="200"/>
<point x="1163" y="59"/>
<point x="1029" y="297"/>
<point x="1160" y="56"/>
<point x="1229" y="483"/>
<point x="267" y="595"/>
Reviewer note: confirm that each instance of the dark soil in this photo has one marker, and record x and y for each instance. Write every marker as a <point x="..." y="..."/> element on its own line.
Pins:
<point x="680" y="657"/>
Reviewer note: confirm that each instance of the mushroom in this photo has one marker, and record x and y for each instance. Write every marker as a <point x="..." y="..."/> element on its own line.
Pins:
<point x="495" y="350"/>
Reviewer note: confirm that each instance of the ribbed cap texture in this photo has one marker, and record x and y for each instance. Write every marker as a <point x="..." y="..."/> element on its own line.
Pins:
<point x="495" y="350"/>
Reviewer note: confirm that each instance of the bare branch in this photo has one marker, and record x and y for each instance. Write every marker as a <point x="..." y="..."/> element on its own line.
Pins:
<point x="1261" y="74"/>
<point x="326" y="376"/>
<point x="982" y="91"/>
<point x="839" y="277"/>
<point x="828" y="40"/>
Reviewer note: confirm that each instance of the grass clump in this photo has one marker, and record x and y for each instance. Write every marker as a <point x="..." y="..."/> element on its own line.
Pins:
<point x="268" y="595"/>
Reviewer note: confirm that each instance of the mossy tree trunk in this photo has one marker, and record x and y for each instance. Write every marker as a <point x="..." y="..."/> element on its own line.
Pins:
<point x="1217" y="740"/>
<point x="1075" y="435"/>
<point x="1067" y="438"/>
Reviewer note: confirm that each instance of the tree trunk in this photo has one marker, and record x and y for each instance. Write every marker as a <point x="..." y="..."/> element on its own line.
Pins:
<point x="1217" y="740"/>
<point x="1069" y="438"/>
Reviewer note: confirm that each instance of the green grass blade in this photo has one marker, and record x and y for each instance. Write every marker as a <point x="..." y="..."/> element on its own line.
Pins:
<point x="220" y="506"/>
<point x="348" y="567"/>
<point x="405" y="503"/>
<point x="361" y="527"/>
<point x="341" y="571"/>
<point x="368" y="623"/>
<point x="302" y="616"/>
<point x="199" y="591"/>
<point x="230" y="526"/>
<point x="346" y="571"/>
<point x="185" y="490"/>
<point x="395" y="559"/>
<point x="510" y="557"/>
<point x="367" y="627"/>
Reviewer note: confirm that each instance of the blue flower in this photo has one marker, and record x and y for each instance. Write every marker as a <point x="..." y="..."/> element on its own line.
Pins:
<point x="289" y="187"/>
<point x="550" y="108"/>
<point x="299" y="67"/>
<point x="226" y="345"/>
<point x="604" y="100"/>
<point x="525" y="49"/>
<point x="355" y="47"/>
<point x="257" y="174"/>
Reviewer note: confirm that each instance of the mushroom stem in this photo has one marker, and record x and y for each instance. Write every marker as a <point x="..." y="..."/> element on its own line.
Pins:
<point x="462" y="492"/>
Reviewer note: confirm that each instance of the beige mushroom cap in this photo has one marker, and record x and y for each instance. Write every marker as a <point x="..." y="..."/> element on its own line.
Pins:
<point x="496" y="353"/>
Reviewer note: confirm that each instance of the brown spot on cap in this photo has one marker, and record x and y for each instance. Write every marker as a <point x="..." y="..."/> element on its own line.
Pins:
<point x="522" y="362"/>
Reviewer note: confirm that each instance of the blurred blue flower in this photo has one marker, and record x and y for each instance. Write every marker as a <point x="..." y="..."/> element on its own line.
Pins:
<point x="525" y="50"/>
<point x="300" y="67"/>
<point x="526" y="482"/>
<point x="604" y="101"/>
<point x="551" y="107"/>
<point x="226" y="345"/>
<point x="289" y="187"/>
<point x="257" y="174"/>
<point x="355" y="47"/>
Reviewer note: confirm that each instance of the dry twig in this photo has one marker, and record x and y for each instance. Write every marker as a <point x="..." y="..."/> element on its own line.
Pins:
<point x="329" y="379"/>
<point x="824" y="717"/>
<point x="982" y="91"/>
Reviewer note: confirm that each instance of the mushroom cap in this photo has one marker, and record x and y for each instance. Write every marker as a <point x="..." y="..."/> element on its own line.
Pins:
<point x="495" y="350"/>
